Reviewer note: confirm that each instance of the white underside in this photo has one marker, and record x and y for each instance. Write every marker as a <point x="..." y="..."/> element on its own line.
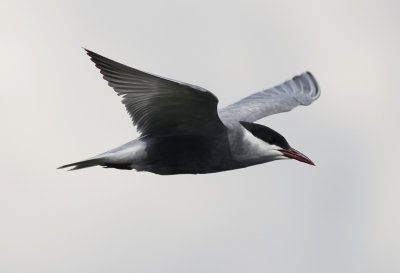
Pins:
<point x="132" y="153"/>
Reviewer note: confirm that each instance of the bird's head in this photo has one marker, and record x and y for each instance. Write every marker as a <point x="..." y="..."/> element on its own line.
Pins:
<point x="274" y="144"/>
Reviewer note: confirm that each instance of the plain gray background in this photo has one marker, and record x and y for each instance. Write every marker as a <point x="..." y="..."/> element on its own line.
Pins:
<point x="284" y="216"/>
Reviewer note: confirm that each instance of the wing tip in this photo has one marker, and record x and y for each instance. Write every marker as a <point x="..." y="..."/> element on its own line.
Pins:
<point x="91" y="54"/>
<point x="96" y="58"/>
<point x="317" y="93"/>
<point x="88" y="51"/>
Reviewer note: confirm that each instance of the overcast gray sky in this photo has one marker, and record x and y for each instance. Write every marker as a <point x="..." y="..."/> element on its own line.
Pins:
<point x="285" y="216"/>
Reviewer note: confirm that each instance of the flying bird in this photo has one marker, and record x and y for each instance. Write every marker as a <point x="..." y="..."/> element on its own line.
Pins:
<point x="183" y="132"/>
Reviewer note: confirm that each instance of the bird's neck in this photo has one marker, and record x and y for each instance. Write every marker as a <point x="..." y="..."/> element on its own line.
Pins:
<point x="250" y="150"/>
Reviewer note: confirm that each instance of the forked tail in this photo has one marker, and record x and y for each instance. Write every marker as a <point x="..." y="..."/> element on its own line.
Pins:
<point x="83" y="164"/>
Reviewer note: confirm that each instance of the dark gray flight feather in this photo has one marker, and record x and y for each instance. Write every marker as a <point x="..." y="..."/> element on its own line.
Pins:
<point x="160" y="106"/>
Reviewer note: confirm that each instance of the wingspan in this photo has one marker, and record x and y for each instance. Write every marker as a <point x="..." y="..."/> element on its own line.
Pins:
<point x="301" y="90"/>
<point x="158" y="105"/>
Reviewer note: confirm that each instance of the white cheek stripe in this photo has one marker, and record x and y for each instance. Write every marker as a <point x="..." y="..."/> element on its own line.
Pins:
<point x="257" y="148"/>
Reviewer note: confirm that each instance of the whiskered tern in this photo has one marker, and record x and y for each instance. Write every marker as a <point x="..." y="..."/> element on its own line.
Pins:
<point x="183" y="132"/>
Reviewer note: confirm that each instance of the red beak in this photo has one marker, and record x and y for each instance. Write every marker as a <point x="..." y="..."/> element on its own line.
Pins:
<point x="294" y="154"/>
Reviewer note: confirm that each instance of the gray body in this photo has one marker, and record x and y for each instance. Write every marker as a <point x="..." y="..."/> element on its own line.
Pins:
<point x="182" y="130"/>
<point x="178" y="154"/>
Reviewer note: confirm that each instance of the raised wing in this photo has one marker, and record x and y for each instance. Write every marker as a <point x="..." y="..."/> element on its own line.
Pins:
<point x="301" y="90"/>
<point x="160" y="106"/>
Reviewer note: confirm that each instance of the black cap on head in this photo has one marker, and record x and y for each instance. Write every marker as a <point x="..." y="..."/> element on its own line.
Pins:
<point x="266" y="134"/>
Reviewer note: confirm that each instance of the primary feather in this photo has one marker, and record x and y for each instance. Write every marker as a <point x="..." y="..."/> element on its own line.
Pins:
<point x="301" y="90"/>
<point x="158" y="105"/>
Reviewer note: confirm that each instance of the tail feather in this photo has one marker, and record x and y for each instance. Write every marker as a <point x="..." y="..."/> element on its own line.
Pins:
<point x="83" y="164"/>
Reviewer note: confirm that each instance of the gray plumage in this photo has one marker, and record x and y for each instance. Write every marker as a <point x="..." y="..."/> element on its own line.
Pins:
<point x="183" y="132"/>
<point x="301" y="90"/>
